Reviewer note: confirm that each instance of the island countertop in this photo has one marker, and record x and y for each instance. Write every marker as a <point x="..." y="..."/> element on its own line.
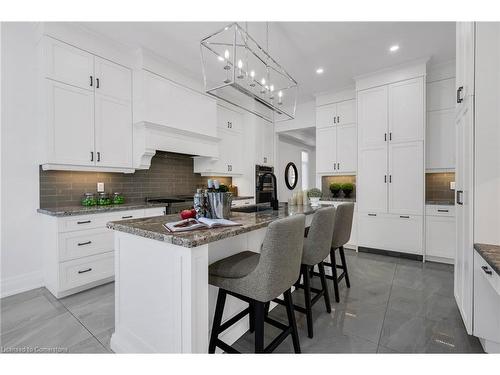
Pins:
<point x="153" y="227"/>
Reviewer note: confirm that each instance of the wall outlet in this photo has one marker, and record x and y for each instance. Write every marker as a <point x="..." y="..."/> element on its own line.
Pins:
<point x="452" y="185"/>
<point x="100" y="187"/>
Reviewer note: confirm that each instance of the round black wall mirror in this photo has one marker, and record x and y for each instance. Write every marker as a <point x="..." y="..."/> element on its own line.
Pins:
<point x="291" y="175"/>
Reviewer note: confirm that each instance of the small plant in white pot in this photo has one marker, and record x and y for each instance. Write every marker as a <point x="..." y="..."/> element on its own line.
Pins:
<point x="314" y="196"/>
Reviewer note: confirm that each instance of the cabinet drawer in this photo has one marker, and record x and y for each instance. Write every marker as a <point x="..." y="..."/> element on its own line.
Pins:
<point x="242" y="202"/>
<point x="78" y="244"/>
<point x="78" y="272"/>
<point x="435" y="210"/>
<point x="440" y="236"/>
<point x="93" y="221"/>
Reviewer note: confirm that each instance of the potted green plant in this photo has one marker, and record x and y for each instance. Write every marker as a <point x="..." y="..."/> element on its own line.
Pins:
<point x="347" y="188"/>
<point x="335" y="189"/>
<point x="314" y="196"/>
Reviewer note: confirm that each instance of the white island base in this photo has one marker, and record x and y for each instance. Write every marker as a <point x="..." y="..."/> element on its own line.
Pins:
<point x="163" y="302"/>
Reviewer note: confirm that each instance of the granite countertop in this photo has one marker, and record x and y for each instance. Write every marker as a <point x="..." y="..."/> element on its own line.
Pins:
<point x="153" y="227"/>
<point x="331" y="199"/>
<point x="491" y="254"/>
<point x="440" y="203"/>
<point x="81" y="210"/>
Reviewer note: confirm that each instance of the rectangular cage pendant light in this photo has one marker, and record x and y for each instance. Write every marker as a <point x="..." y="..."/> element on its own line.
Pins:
<point x="238" y="70"/>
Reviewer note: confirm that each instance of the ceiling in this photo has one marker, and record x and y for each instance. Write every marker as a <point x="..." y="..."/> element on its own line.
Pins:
<point x="343" y="49"/>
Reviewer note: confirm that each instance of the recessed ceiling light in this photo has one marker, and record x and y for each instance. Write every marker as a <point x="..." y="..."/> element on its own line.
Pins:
<point x="394" y="48"/>
<point x="319" y="71"/>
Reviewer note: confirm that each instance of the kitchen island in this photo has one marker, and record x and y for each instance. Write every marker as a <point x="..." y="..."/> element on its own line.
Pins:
<point x="163" y="302"/>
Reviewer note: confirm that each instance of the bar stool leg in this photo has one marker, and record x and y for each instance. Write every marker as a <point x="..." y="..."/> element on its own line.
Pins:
<point x="251" y="316"/>
<point x="291" y="321"/>
<point x="259" y="327"/>
<point x="326" y="295"/>
<point x="334" y="275"/>
<point x="344" y="266"/>
<point x="307" y="295"/>
<point x="219" y="310"/>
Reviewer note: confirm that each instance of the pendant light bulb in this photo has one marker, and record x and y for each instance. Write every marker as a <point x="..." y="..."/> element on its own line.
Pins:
<point x="263" y="88"/>
<point x="252" y="78"/>
<point x="271" y="90"/>
<point x="240" y="64"/>
<point x="240" y="71"/>
<point x="226" y="54"/>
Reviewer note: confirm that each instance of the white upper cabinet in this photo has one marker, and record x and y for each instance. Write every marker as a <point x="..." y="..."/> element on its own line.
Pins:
<point x="170" y="104"/>
<point x="326" y="155"/>
<point x="230" y="120"/>
<point x="406" y="190"/>
<point x="346" y="112"/>
<point x="113" y="80"/>
<point x="372" y="179"/>
<point x="68" y="64"/>
<point x="440" y="139"/>
<point x="372" y="117"/>
<point x="264" y="146"/>
<point x="70" y="116"/>
<point x="113" y="132"/>
<point x="441" y="94"/>
<point x="346" y="148"/>
<point x="406" y="111"/>
<point x="88" y="110"/>
<point x="465" y="33"/>
<point x="326" y="115"/>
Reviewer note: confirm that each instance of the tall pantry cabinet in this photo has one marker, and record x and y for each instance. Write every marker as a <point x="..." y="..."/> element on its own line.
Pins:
<point x="390" y="180"/>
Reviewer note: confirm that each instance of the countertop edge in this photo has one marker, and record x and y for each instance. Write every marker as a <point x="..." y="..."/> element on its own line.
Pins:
<point x="76" y="211"/>
<point x="491" y="254"/>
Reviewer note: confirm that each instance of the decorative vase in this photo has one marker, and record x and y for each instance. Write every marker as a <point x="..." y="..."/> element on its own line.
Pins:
<point x="314" y="201"/>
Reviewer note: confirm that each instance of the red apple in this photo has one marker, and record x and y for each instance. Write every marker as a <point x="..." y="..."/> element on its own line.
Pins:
<point x="186" y="214"/>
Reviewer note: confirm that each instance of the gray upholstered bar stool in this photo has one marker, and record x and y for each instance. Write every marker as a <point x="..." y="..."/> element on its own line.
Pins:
<point x="341" y="235"/>
<point x="316" y="247"/>
<point x="258" y="279"/>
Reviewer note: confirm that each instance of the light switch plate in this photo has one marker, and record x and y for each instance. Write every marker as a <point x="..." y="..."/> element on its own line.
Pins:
<point x="100" y="187"/>
<point x="452" y="185"/>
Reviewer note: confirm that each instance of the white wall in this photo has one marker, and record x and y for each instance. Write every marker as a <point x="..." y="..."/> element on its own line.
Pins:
<point x="290" y="151"/>
<point x="21" y="258"/>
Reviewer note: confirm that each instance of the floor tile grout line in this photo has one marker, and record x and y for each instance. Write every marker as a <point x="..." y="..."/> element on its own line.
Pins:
<point x="84" y="326"/>
<point x="387" y="305"/>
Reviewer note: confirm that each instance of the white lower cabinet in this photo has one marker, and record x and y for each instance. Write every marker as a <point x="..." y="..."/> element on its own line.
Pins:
<point x="440" y="233"/>
<point x="79" y="250"/>
<point x="486" y="305"/>
<point x="401" y="233"/>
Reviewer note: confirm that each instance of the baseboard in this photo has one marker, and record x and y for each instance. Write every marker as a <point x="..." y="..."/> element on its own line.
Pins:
<point x="21" y="283"/>
<point x="390" y="253"/>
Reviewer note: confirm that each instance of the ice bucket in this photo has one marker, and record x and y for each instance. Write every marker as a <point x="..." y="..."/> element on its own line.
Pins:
<point x="219" y="205"/>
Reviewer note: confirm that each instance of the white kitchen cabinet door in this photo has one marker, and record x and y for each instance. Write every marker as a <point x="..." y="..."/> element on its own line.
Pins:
<point x="465" y="49"/>
<point x="486" y="301"/>
<point x="406" y="111"/>
<point x="404" y="233"/>
<point x="229" y="161"/>
<point x="326" y="144"/>
<point x="372" y="117"/>
<point x="229" y="120"/>
<point x="113" y="80"/>
<point x="267" y="140"/>
<point x="440" y="236"/>
<point x="371" y="186"/>
<point x="440" y="139"/>
<point x="372" y="230"/>
<point x="406" y="178"/>
<point x="347" y="150"/>
<point x="113" y="132"/>
<point x="346" y="112"/>
<point x="326" y="115"/>
<point x="70" y="121"/>
<point x="68" y="64"/>
<point x="464" y="178"/>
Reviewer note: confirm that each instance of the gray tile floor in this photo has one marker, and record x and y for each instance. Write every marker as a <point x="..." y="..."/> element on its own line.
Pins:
<point x="394" y="305"/>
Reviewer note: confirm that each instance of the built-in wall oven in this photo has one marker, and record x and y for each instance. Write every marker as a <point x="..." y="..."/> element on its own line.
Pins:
<point x="266" y="193"/>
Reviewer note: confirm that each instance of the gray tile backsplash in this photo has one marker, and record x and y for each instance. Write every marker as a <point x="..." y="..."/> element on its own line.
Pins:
<point x="169" y="174"/>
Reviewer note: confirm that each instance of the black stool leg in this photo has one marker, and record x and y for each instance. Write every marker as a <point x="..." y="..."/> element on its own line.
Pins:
<point x="334" y="275"/>
<point x="259" y="327"/>
<point x="251" y="316"/>
<point x="307" y="295"/>
<point x="291" y="320"/>
<point x="321" y="267"/>
<point x="266" y="309"/>
<point x="344" y="266"/>
<point x="219" y="310"/>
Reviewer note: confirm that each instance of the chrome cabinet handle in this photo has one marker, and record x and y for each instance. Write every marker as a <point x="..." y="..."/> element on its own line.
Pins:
<point x="84" y="243"/>
<point x="87" y="270"/>
<point x="486" y="270"/>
